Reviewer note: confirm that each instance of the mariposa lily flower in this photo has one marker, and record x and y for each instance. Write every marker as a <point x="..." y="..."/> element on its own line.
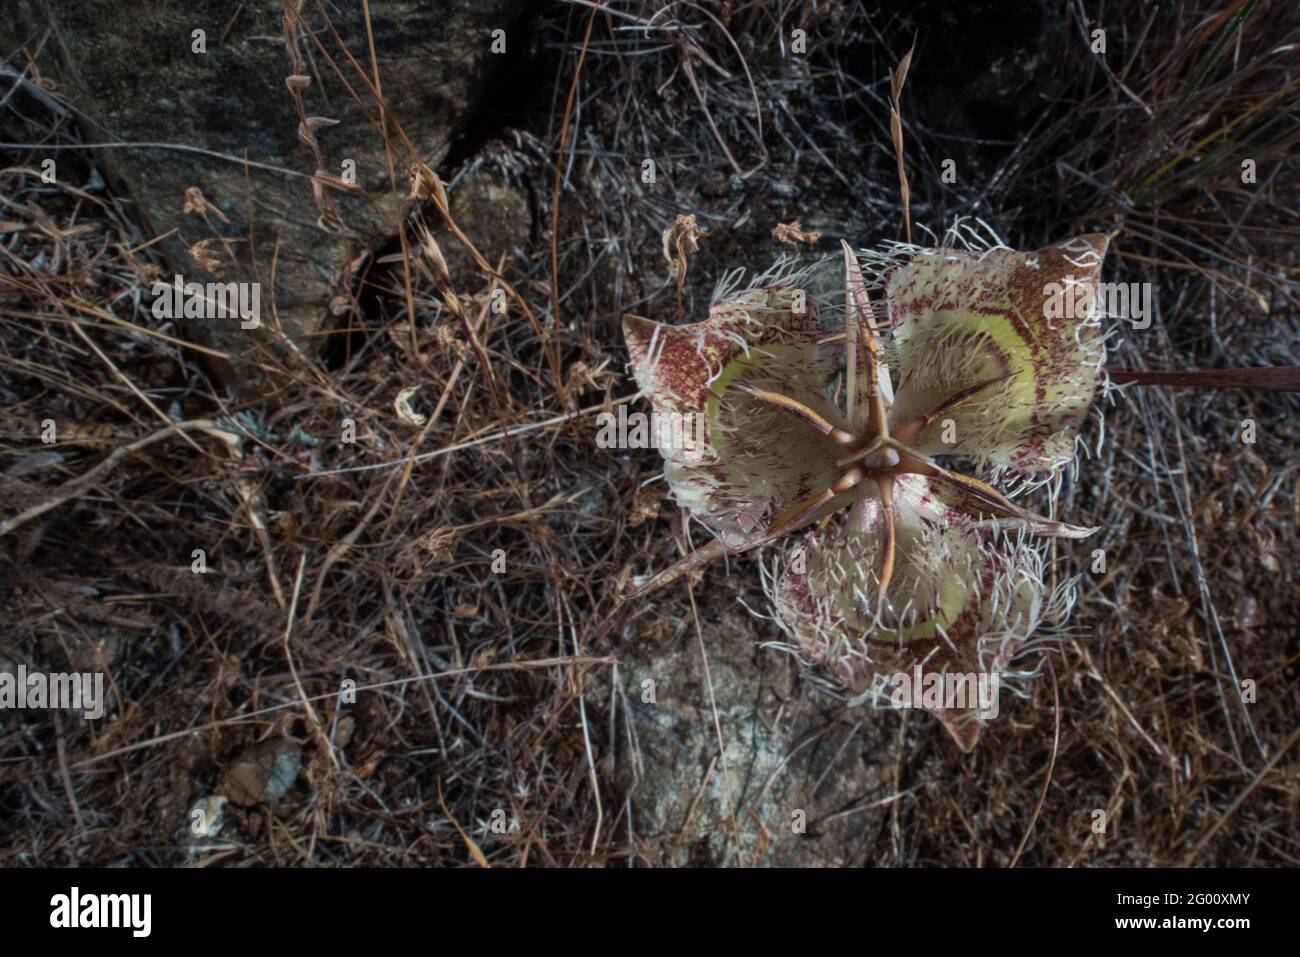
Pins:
<point x="909" y="563"/>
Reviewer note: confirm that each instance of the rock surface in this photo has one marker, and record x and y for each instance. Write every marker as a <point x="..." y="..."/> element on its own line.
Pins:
<point x="801" y="774"/>
<point x="231" y="103"/>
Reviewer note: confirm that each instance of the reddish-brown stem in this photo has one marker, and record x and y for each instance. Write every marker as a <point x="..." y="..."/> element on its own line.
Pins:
<point x="1267" y="378"/>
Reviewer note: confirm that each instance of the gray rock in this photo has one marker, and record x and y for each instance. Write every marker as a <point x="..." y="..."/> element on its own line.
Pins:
<point x="798" y="776"/>
<point x="132" y="70"/>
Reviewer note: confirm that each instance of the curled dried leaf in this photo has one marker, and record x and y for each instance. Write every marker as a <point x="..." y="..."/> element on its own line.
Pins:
<point x="681" y="238"/>
<point x="402" y="406"/>
<point x="206" y="258"/>
<point x="438" y="543"/>
<point x="793" y="233"/>
<point x="197" y="203"/>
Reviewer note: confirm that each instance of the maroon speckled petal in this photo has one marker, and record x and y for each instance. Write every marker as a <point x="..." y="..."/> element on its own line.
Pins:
<point x="757" y="460"/>
<point x="961" y="318"/>
<point x="964" y="598"/>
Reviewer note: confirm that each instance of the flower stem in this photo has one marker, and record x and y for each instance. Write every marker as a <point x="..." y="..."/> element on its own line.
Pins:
<point x="1267" y="378"/>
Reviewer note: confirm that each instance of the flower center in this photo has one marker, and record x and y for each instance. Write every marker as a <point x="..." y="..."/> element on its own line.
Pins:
<point x="885" y="458"/>
<point x="874" y="454"/>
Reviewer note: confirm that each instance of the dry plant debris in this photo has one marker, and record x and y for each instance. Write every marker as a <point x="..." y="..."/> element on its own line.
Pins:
<point x="414" y="604"/>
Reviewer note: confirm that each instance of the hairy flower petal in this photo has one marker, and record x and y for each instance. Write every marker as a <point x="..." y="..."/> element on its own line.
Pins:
<point x="757" y="459"/>
<point x="962" y="318"/>
<point x="964" y="599"/>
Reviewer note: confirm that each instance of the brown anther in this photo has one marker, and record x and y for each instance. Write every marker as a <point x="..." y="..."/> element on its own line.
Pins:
<point x="799" y="513"/>
<point x="800" y="411"/>
<point x="908" y="430"/>
<point x="885" y="486"/>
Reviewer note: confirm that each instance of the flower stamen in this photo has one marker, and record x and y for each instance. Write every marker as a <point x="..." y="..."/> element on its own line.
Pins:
<point x="908" y="430"/>
<point x="799" y="411"/>
<point x="888" y="537"/>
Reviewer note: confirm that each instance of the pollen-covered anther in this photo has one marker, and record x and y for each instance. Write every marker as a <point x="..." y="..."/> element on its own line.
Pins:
<point x="799" y="411"/>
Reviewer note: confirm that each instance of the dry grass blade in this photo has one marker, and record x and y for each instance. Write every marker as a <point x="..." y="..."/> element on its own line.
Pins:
<point x="474" y="850"/>
<point x="897" y="77"/>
